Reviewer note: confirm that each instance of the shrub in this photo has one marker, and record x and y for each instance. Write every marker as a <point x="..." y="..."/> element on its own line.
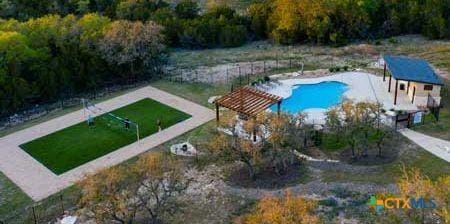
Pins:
<point x="233" y="36"/>
<point x="392" y="40"/>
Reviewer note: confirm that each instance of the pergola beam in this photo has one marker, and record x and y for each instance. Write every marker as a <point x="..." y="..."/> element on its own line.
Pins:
<point x="247" y="101"/>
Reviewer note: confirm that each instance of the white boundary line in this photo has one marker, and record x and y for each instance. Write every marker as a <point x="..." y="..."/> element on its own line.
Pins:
<point x="38" y="182"/>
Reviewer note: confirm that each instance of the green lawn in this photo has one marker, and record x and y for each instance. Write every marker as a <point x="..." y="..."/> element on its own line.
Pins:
<point x="71" y="147"/>
<point x="411" y="156"/>
<point x="11" y="199"/>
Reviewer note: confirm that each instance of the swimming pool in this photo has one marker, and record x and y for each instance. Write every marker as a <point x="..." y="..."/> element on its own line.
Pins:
<point x="306" y="96"/>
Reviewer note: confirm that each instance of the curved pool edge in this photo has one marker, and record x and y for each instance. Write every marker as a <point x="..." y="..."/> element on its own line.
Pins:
<point x="329" y="92"/>
<point x="285" y="91"/>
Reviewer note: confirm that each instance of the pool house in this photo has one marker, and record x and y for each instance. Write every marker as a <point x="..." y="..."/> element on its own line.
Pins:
<point x="413" y="78"/>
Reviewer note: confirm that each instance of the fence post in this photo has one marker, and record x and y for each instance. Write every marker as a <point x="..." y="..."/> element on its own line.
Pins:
<point x="251" y="68"/>
<point x="227" y="75"/>
<point x="62" y="204"/>
<point x="302" y="66"/>
<point x="277" y="62"/>
<point x="34" y="215"/>
<point x="264" y="66"/>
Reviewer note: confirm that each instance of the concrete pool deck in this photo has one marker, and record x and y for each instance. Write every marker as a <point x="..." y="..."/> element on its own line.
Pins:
<point x="361" y="87"/>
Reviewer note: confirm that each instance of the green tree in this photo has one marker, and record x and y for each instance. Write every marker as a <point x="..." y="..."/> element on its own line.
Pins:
<point x="187" y="9"/>
<point x="233" y="35"/>
<point x="15" y="55"/>
<point x="7" y="9"/>
<point x="138" y="10"/>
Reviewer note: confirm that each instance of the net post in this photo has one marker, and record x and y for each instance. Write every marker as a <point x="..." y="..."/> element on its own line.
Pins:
<point x="84" y="107"/>
<point x="137" y="132"/>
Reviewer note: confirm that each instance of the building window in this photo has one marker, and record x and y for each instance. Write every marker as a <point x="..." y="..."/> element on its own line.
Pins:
<point x="402" y="86"/>
<point x="428" y="87"/>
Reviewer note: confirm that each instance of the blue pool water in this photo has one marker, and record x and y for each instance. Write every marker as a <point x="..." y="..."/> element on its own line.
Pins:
<point x="305" y="96"/>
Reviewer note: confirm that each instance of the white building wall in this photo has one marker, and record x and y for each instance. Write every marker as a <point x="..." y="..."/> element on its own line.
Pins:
<point x="421" y="95"/>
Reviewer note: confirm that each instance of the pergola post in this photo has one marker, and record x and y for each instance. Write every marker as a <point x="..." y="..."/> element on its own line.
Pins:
<point x="396" y="90"/>
<point x="254" y="130"/>
<point x="217" y="112"/>
<point x="390" y="78"/>
<point x="407" y="88"/>
<point x="279" y="108"/>
<point x="384" y="73"/>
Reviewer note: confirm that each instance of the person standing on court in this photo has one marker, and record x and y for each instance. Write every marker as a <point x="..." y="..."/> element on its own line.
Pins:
<point x="127" y="123"/>
<point x="158" y="123"/>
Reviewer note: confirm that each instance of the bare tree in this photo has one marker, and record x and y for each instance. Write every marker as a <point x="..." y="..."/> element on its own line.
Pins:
<point x="107" y="197"/>
<point x="136" y="45"/>
<point x="235" y="146"/>
<point x="147" y="188"/>
<point x="159" y="181"/>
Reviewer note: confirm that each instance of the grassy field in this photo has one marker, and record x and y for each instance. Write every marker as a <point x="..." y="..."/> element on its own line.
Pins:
<point x="11" y="198"/>
<point x="71" y="147"/>
<point x="411" y="155"/>
<point x="356" y="54"/>
<point x="195" y="92"/>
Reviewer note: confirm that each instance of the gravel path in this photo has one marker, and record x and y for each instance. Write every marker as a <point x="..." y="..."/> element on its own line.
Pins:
<point x="38" y="182"/>
<point x="211" y="181"/>
<point x="314" y="189"/>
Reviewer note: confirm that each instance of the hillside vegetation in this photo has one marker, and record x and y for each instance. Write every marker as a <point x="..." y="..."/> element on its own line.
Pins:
<point x="52" y="50"/>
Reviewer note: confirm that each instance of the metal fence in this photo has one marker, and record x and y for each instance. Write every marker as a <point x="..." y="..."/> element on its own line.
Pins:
<point x="242" y="73"/>
<point x="46" y="211"/>
<point x="229" y="73"/>
<point x="38" y="111"/>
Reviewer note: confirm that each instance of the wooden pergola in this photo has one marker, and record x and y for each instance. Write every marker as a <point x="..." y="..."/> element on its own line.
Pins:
<point x="247" y="101"/>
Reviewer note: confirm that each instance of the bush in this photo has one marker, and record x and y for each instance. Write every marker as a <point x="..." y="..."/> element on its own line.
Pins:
<point x="187" y="9"/>
<point x="329" y="202"/>
<point x="266" y="79"/>
<point x="392" y="40"/>
<point x="233" y="36"/>
<point x="219" y="27"/>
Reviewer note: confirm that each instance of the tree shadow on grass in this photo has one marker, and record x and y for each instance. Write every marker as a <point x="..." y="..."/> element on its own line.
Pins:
<point x="371" y="159"/>
<point x="267" y="178"/>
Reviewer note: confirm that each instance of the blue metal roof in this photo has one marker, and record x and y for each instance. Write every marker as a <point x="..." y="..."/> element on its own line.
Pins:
<point x="411" y="69"/>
